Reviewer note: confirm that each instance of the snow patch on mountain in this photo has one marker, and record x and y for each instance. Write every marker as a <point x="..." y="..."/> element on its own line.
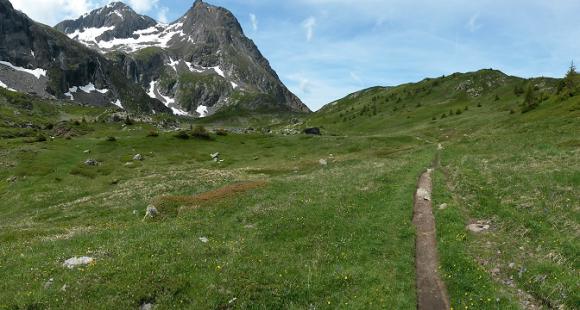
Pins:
<point x="36" y="72"/>
<point x="167" y="101"/>
<point x="202" y="111"/>
<point x="5" y="86"/>
<point x="89" y="35"/>
<point x="118" y="103"/>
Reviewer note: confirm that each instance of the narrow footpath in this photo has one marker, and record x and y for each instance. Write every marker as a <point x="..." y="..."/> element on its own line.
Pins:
<point x="431" y="291"/>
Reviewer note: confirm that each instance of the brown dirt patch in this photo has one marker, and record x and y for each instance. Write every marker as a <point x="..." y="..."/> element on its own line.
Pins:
<point x="220" y="193"/>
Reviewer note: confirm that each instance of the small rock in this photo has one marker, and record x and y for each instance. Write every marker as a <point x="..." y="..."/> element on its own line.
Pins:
<point x="512" y="265"/>
<point x="63" y="288"/>
<point x="215" y="155"/>
<point x="48" y="283"/>
<point x="135" y="212"/>
<point x="77" y="261"/>
<point x="495" y="271"/>
<point x="146" y="306"/>
<point x="443" y="206"/>
<point x="151" y="212"/>
<point x="323" y="162"/>
<point x="138" y="157"/>
<point x="440" y="147"/>
<point x="204" y="239"/>
<point x="115" y="182"/>
<point x="11" y="179"/>
<point x="423" y="194"/>
<point x="479" y="226"/>
<point x="91" y="162"/>
<point x="87" y="152"/>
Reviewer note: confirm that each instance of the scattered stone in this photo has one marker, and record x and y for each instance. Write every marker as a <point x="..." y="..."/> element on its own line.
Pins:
<point x="232" y="300"/>
<point x="146" y="306"/>
<point x="77" y="261"/>
<point x="424" y="194"/>
<point x="11" y="179"/>
<point x="138" y="157"/>
<point x="323" y="162"/>
<point x="512" y="265"/>
<point x="87" y="152"/>
<point x="151" y="212"/>
<point x="440" y="147"/>
<point x="312" y="131"/>
<point x="63" y="288"/>
<point x="135" y="212"/>
<point x="48" y="283"/>
<point x="215" y="156"/>
<point x="479" y="226"/>
<point x="443" y="206"/>
<point x="91" y="162"/>
<point x="204" y="239"/>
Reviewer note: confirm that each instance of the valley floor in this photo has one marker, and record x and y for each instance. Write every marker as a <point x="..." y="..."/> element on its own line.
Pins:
<point x="273" y="226"/>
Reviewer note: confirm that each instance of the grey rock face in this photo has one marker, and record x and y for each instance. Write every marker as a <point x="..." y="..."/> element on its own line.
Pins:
<point x="201" y="64"/>
<point x="30" y="45"/>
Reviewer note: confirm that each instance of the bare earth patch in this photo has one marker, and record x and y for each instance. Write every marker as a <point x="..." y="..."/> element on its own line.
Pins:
<point x="431" y="291"/>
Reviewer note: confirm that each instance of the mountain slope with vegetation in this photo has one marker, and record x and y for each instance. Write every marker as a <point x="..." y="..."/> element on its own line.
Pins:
<point x="248" y="217"/>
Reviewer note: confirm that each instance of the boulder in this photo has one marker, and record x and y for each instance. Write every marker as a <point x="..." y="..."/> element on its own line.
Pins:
<point x="423" y="194"/>
<point x="312" y="131"/>
<point x="91" y="162"/>
<point x="77" y="261"/>
<point x="478" y="227"/>
<point x="151" y="212"/>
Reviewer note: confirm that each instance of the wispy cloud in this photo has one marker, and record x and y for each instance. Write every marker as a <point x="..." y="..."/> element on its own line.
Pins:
<point x="309" y="25"/>
<point x="473" y="24"/>
<point x="254" y="21"/>
<point x="162" y="15"/>
<point x="356" y="78"/>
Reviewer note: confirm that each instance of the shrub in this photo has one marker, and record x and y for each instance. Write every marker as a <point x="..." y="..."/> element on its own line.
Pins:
<point x="221" y="132"/>
<point x="181" y="135"/>
<point x="200" y="132"/>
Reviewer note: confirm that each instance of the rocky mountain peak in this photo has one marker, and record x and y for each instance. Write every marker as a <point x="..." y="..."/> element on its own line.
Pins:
<point x="113" y="21"/>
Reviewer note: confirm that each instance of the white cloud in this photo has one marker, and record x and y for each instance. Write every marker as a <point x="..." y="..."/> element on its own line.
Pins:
<point x="142" y="6"/>
<point x="254" y="21"/>
<point x="162" y="15"/>
<point x="472" y="24"/>
<point x="309" y="25"/>
<point x="53" y="11"/>
<point x="355" y="77"/>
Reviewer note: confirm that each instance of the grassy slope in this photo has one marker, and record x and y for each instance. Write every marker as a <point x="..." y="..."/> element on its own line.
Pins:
<point x="518" y="170"/>
<point x="320" y="236"/>
<point x="313" y="236"/>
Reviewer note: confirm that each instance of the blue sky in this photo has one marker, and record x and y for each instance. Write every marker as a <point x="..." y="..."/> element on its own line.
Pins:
<point x="326" y="49"/>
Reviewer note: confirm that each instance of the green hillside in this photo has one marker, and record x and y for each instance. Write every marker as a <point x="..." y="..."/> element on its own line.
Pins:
<point x="289" y="220"/>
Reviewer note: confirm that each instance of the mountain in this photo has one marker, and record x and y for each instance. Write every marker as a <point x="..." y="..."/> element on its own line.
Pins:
<point x="473" y="95"/>
<point x="37" y="59"/>
<point x="200" y="64"/>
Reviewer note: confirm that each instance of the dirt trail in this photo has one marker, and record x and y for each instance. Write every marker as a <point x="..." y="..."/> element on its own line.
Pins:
<point x="431" y="291"/>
